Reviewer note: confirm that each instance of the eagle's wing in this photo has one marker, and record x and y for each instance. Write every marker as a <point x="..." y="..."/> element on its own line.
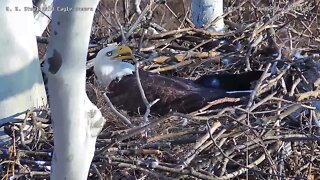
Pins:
<point x="230" y="82"/>
<point x="174" y="94"/>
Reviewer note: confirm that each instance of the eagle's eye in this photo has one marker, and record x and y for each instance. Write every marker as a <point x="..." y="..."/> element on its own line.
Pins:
<point x="109" y="53"/>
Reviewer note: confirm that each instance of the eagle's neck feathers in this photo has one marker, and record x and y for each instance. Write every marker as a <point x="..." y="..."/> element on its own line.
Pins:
<point x="109" y="70"/>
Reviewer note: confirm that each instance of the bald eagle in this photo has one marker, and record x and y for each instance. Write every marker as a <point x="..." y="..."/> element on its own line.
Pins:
<point x="174" y="93"/>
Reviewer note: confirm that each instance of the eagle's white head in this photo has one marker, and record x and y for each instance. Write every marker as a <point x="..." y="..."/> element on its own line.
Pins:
<point x="108" y="64"/>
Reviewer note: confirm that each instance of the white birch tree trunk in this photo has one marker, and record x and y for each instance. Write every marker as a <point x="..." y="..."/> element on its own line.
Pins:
<point x="206" y="11"/>
<point x="21" y="80"/>
<point x="76" y="121"/>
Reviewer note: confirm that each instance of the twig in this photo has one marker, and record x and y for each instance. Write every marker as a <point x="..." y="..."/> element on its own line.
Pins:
<point x="124" y="119"/>
<point x="198" y="147"/>
<point x="171" y="11"/>
<point x="244" y="169"/>
<point x="136" y="131"/>
<point x="186" y="55"/>
<point x="143" y="95"/>
<point x="253" y="44"/>
<point x="216" y="102"/>
<point x="254" y="92"/>
<point x="124" y="39"/>
<point x="137" y="6"/>
<point x="293" y="137"/>
<point x="269" y="97"/>
<point x="315" y="122"/>
<point x="309" y="94"/>
<point x="172" y="135"/>
<point x="189" y="171"/>
<point x="94" y="167"/>
<point x="104" y="17"/>
<point x="222" y="152"/>
<point x="136" y="23"/>
<point x="168" y="68"/>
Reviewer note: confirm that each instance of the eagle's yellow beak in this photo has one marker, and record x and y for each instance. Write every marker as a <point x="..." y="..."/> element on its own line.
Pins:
<point x="123" y="52"/>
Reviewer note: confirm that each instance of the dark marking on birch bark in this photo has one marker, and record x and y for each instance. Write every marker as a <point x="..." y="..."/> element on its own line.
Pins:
<point x="55" y="62"/>
<point x="55" y="32"/>
<point x="58" y="23"/>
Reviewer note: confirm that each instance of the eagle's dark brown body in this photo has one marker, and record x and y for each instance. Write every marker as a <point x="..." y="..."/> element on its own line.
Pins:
<point x="175" y="94"/>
